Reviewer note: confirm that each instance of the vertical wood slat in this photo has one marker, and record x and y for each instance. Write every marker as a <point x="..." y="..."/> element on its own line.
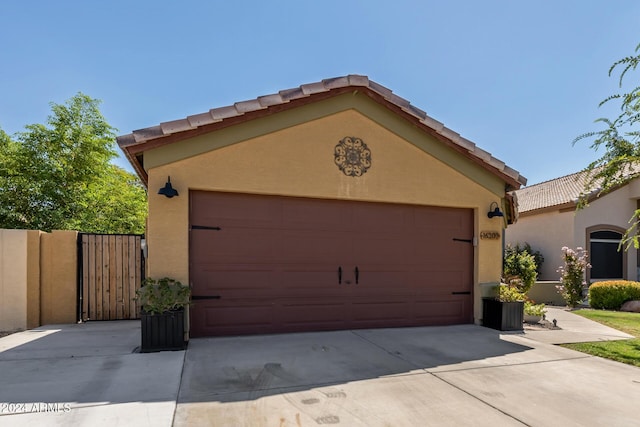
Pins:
<point x="105" y="278"/>
<point x="84" y="310"/>
<point x="119" y="281"/>
<point x="113" y="294"/>
<point x="91" y="284"/>
<point x="99" y="262"/>
<point x="126" y="295"/>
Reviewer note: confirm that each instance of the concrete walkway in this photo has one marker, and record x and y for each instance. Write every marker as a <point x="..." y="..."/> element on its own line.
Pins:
<point x="574" y="328"/>
<point x="89" y="374"/>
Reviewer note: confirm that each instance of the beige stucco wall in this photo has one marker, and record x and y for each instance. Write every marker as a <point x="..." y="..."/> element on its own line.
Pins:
<point x="13" y="280"/>
<point x="298" y="161"/>
<point x="37" y="278"/>
<point x="548" y="233"/>
<point x="33" y="278"/>
<point x="19" y="279"/>
<point x="58" y="269"/>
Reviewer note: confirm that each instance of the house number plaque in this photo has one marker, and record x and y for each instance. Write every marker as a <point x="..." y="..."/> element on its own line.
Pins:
<point x="490" y="235"/>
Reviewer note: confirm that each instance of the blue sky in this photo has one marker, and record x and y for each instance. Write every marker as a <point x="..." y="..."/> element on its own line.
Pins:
<point x="519" y="78"/>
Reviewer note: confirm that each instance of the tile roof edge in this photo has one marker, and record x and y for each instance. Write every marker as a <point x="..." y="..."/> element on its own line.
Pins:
<point x="193" y="122"/>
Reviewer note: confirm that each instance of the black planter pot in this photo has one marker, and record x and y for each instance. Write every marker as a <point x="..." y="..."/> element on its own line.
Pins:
<point x="504" y="316"/>
<point x="163" y="332"/>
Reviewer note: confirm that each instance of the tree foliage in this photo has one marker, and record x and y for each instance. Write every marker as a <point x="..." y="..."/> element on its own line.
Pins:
<point x="59" y="175"/>
<point x="620" y="139"/>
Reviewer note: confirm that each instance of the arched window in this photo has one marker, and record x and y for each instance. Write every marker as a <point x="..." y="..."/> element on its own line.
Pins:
<point x="607" y="262"/>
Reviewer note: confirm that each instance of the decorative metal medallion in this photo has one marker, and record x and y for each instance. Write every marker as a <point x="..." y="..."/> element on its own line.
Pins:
<point x="352" y="156"/>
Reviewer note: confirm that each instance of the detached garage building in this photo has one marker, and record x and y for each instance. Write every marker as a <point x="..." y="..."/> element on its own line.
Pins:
<point x="335" y="205"/>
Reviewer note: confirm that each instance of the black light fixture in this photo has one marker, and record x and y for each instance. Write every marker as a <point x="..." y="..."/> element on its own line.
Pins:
<point x="494" y="212"/>
<point x="168" y="190"/>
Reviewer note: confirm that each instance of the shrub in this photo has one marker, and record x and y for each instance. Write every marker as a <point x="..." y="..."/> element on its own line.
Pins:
<point x="519" y="268"/>
<point x="526" y="248"/>
<point x="533" y="309"/>
<point x="610" y="295"/>
<point x="160" y="295"/>
<point x="507" y="293"/>
<point x="572" y="275"/>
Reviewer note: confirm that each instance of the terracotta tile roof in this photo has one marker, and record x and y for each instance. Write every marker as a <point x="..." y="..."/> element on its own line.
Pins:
<point x="562" y="192"/>
<point x="135" y="143"/>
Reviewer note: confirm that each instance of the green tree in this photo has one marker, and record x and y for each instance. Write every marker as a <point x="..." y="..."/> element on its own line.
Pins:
<point x="59" y="175"/>
<point x="620" y="139"/>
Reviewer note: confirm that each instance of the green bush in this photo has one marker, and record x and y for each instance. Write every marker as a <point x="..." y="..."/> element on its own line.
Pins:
<point x="533" y="309"/>
<point x="157" y="296"/>
<point x="519" y="268"/>
<point x="507" y="293"/>
<point x="526" y="248"/>
<point x="610" y="295"/>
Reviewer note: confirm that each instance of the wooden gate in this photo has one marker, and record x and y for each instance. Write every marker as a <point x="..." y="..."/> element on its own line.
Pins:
<point x="111" y="270"/>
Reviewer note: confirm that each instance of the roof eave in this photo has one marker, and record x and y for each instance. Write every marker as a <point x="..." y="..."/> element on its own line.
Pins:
<point x="136" y="143"/>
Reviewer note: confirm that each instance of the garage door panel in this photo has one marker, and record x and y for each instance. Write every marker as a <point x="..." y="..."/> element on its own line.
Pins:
<point x="232" y="246"/>
<point x="232" y="209"/>
<point x="276" y="268"/>
<point x="385" y="218"/>
<point x="371" y="308"/>
<point x="386" y="283"/>
<point x="312" y="282"/>
<point x="308" y="246"/>
<point x="240" y="284"/>
<point x="209" y="318"/>
<point x="383" y="249"/>
<point x="328" y="216"/>
<point x="294" y="311"/>
<point x="442" y="280"/>
<point x="444" y="311"/>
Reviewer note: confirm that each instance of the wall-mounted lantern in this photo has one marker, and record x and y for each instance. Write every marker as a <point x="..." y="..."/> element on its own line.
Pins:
<point x="168" y="190"/>
<point x="494" y="212"/>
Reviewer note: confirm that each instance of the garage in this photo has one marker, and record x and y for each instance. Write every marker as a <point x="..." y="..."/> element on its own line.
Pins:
<point x="333" y="205"/>
<point x="270" y="264"/>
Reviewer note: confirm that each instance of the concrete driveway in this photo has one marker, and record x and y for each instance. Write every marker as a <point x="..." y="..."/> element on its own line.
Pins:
<point x="455" y="375"/>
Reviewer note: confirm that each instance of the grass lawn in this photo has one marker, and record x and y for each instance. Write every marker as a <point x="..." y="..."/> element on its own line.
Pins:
<point x="626" y="351"/>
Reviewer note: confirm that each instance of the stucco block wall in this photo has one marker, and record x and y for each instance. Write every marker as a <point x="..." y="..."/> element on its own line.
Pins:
<point x="59" y="271"/>
<point x="19" y="279"/>
<point x="547" y="233"/>
<point x="298" y="161"/>
<point x="38" y="278"/>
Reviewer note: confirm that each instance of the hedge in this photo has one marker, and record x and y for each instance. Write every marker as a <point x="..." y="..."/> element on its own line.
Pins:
<point x="610" y="295"/>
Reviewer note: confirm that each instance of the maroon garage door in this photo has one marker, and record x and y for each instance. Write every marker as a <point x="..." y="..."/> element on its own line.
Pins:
<point x="265" y="264"/>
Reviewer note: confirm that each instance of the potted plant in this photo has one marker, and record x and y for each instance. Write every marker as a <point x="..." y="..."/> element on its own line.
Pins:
<point x="533" y="313"/>
<point x="163" y="303"/>
<point x="504" y="312"/>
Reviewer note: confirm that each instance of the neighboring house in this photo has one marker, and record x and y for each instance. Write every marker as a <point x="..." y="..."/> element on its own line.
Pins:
<point x="335" y="205"/>
<point x="548" y="220"/>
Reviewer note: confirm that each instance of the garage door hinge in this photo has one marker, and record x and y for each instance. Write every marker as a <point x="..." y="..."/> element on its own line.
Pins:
<point x="473" y="241"/>
<point x="204" y="227"/>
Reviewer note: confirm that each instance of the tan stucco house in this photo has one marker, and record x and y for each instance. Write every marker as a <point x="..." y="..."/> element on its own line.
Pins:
<point x="334" y="205"/>
<point x="548" y="220"/>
